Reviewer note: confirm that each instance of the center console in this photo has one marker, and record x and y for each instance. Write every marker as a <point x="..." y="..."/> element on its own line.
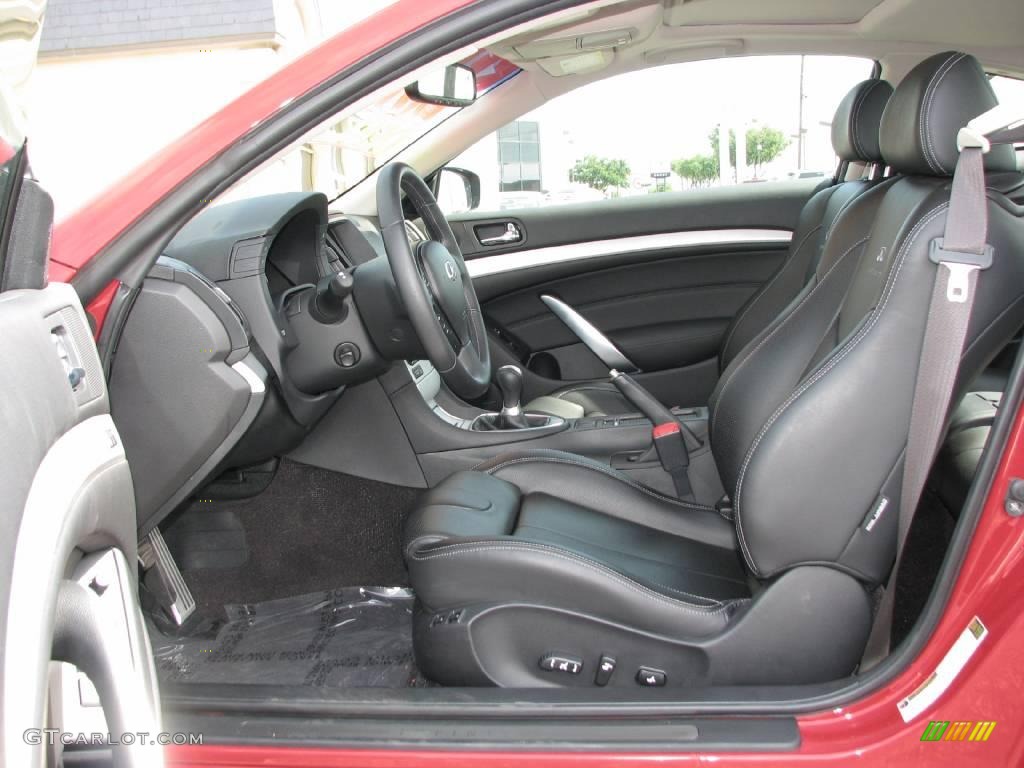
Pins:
<point x="448" y="435"/>
<point x="427" y="433"/>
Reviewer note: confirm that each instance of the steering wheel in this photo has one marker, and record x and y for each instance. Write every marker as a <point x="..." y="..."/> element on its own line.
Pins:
<point x="433" y="284"/>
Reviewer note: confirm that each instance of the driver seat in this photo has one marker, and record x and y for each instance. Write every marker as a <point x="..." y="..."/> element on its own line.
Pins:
<point x="855" y="140"/>
<point x="547" y="569"/>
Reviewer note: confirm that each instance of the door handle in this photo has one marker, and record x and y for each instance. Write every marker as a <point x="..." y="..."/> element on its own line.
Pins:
<point x="510" y="235"/>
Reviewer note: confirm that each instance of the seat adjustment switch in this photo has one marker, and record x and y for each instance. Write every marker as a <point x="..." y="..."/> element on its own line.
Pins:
<point x="650" y="678"/>
<point x="605" y="668"/>
<point x="556" y="663"/>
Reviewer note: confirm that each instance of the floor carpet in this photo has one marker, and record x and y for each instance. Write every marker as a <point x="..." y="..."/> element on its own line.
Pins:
<point x="310" y="530"/>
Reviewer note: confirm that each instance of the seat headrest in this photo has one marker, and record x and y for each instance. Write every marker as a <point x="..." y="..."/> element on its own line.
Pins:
<point x="931" y="104"/>
<point x="855" y="126"/>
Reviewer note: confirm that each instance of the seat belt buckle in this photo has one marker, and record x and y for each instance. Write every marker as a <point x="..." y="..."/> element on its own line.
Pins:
<point x="960" y="265"/>
<point x="671" y="447"/>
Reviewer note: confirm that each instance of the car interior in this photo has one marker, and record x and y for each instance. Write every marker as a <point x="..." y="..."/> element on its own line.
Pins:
<point x="628" y="447"/>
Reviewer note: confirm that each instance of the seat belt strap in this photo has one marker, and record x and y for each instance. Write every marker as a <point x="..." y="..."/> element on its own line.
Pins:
<point x="960" y="254"/>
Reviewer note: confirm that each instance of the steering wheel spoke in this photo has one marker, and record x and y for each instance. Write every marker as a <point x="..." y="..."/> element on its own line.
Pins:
<point x="433" y="283"/>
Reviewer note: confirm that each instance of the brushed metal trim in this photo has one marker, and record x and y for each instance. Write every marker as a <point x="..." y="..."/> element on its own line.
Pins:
<point x="595" y="341"/>
<point x="557" y="254"/>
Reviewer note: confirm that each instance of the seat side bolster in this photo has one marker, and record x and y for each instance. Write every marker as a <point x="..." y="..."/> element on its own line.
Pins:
<point x="504" y="570"/>
<point x="467" y="504"/>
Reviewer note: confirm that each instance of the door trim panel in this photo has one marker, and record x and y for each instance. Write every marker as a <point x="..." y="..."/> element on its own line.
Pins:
<point x="537" y="257"/>
<point x="596" y="342"/>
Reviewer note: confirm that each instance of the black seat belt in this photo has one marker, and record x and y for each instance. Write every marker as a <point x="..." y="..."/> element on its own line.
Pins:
<point x="960" y="254"/>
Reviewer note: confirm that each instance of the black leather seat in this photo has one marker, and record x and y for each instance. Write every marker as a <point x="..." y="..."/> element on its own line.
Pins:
<point x="534" y="568"/>
<point x="855" y="140"/>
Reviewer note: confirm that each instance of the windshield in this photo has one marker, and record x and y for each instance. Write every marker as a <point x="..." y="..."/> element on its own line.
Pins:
<point x="341" y="153"/>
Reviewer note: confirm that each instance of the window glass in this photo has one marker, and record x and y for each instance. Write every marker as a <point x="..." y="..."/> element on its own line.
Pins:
<point x="1010" y="91"/>
<point x="657" y="130"/>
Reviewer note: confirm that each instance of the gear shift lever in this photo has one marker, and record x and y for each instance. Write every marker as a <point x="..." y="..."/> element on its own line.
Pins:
<point x="509" y="379"/>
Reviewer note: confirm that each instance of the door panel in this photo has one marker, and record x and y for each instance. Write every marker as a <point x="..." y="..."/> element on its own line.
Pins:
<point x="67" y="552"/>
<point x="661" y="276"/>
<point x="770" y="205"/>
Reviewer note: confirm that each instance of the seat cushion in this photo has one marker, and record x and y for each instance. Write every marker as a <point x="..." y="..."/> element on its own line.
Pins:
<point x="558" y="530"/>
<point x="665" y="562"/>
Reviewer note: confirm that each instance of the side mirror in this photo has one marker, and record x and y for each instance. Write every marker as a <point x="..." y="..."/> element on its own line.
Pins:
<point x="453" y="86"/>
<point x="456" y="189"/>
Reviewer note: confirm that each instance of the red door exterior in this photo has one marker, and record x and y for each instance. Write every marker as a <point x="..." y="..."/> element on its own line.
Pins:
<point x="871" y="732"/>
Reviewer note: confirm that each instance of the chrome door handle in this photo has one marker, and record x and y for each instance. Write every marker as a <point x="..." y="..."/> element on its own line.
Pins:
<point x="510" y="235"/>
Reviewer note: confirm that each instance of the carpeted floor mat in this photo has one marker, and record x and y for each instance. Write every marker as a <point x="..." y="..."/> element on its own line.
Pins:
<point x="927" y="542"/>
<point x="309" y="530"/>
<point x="351" y="637"/>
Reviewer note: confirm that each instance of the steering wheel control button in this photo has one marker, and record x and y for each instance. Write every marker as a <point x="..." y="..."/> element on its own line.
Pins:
<point x="347" y="354"/>
<point x="555" y="663"/>
<point x="605" y="668"/>
<point x="650" y="678"/>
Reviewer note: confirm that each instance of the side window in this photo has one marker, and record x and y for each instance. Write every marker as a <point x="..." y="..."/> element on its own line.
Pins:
<point x="1010" y="90"/>
<point x="657" y="130"/>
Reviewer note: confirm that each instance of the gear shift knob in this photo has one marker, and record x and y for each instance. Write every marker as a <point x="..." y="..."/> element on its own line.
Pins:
<point x="509" y="379"/>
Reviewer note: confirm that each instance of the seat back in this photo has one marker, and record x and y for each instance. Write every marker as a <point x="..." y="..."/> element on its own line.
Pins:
<point x="855" y="140"/>
<point x="810" y="420"/>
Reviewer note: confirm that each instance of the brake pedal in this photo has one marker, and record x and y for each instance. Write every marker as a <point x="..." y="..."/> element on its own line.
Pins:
<point x="164" y="579"/>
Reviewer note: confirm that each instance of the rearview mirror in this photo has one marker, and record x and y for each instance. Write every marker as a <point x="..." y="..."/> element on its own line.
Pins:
<point x="453" y="86"/>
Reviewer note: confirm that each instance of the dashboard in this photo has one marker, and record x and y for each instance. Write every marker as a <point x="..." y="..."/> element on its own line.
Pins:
<point x="248" y="329"/>
<point x="289" y="268"/>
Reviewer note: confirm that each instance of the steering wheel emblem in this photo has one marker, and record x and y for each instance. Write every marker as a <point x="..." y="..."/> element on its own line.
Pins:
<point x="449" y="269"/>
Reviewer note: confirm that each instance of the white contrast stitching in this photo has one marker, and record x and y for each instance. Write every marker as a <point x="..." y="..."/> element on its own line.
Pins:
<point x="776" y="329"/>
<point x="469" y="548"/>
<point x="760" y="294"/>
<point x="836" y="359"/>
<point x="927" y="146"/>
<point x="608" y="473"/>
<point x="854" y="133"/>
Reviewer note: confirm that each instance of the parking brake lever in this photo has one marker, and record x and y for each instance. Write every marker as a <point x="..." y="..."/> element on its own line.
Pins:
<point x="667" y="433"/>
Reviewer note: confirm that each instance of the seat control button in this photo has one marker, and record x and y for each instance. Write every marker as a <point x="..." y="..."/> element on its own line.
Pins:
<point x="650" y="678"/>
<point x="605" y="667"/>
<point x="555" y="663"/>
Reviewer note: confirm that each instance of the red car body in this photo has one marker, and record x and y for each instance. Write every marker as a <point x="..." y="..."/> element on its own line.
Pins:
<point x="870" y="732"/>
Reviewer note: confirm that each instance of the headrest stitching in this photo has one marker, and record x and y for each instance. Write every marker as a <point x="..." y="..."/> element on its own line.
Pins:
<point x="931" y="100"/>
<point x="854" y="133"/>
<point x="927" y="145"/>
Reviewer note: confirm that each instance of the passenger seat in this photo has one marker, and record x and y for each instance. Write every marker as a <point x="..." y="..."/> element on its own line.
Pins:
<point x="855" y="140"/>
